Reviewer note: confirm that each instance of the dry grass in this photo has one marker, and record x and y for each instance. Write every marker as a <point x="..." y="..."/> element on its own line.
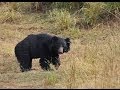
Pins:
<point x="93" y="61"/>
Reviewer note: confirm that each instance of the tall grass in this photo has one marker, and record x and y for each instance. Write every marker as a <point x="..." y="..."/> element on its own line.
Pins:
<point x="87" y="13"/>
<point x="91" y="12"/>
<point x="8" y="14"/>
<point x="63" y="23"/>
<point x="70" y="6"/>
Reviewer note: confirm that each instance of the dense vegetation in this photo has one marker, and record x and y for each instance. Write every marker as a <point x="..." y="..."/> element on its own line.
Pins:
<point x="65" y="17"/>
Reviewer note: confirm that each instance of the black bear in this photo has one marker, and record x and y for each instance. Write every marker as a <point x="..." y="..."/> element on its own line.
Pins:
<point x="43" y="46"/>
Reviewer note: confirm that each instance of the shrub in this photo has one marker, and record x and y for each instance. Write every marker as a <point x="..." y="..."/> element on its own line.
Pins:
<point x="91" y="11"/>
<point x="62" y="22"/>
<point x="8" y="14"/>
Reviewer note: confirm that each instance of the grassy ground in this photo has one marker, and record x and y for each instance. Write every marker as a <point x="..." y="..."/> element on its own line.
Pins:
<point x="93" y="61"/>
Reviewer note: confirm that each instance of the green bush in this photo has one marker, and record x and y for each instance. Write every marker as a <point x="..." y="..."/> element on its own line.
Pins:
<point x="63" y="23"/>
<point x="91" y="12"/>
<point x="70" y="6"/>
<point x="62" y="19"/>
<point x="8" y="14"/>
<point x="113" y="6"/>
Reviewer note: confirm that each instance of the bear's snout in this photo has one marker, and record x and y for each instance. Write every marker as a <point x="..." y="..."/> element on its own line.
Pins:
<point x="60" y="51"/>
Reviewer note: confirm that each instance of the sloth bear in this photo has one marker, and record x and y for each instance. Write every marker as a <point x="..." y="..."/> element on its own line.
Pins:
<point x="43" y="46"/>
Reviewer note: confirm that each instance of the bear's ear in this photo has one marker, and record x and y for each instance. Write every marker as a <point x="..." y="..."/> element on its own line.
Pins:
<point x="68" y="40"/>
<point x="55" y="38"/>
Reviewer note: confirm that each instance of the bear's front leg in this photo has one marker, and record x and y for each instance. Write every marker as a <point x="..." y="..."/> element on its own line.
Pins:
<point x="45" y="64"/>
<point x="56" y="62"/>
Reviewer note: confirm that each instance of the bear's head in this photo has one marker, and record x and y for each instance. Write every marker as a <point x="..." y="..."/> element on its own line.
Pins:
<point x="60" y="45"/>
<point x="67" y="48"/>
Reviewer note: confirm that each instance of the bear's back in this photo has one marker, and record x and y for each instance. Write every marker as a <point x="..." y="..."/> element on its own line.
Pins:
<point x="39" y="44"/>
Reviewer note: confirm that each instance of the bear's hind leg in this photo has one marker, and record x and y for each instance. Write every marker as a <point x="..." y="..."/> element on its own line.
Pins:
<point x="25" y="62"/>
